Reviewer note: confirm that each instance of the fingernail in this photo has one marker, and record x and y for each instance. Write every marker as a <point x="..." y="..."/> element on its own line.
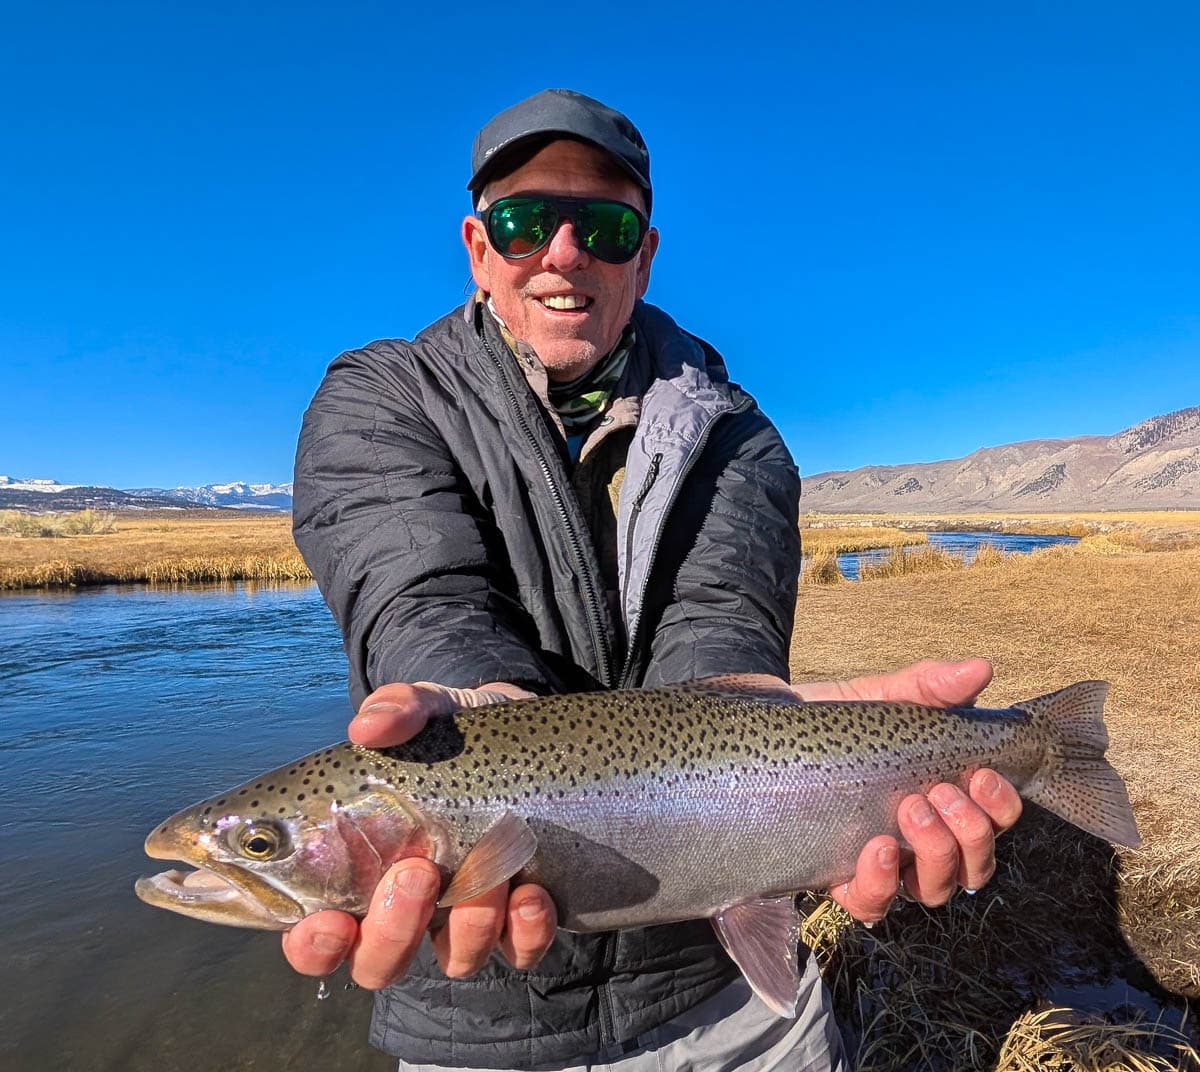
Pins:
<point x="382" y="707"/>
<point x="869" y="926"/>
<point x="989" y="784"/>
<point x="415" y="882"/>
<point x="888" y="856"/>
<point x="946" y="797"/>
<point x="531" y="909"/>
<point x="329" y="944"/>
<point x="922" y="813"/>
<point x="969" y="893"/>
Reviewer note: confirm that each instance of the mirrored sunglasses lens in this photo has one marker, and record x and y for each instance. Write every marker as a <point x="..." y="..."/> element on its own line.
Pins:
<point x="610" y="230"/>
<point x="519" y="228"/>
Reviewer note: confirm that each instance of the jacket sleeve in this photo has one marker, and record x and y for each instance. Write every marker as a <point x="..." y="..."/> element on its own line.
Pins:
<point x="724" y="598"/>
<point x="407" y="559"/>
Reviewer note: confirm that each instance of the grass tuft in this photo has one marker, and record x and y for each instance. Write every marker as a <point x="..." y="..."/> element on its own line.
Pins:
<point x="903" y="562"/>
<point x="987" y="556"/>
<point x="821" y="568"/>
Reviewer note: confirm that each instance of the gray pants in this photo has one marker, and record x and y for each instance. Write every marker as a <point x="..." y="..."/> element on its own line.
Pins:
<point x="731" y="1032"/>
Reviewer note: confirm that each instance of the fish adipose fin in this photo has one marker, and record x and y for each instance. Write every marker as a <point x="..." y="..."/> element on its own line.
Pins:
<point x="1077" y="783"/>
<point x="508" y="845"/>
<point x="761" y="937"/>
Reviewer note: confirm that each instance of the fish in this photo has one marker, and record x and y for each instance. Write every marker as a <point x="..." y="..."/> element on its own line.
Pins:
<point x="720" y="798"/>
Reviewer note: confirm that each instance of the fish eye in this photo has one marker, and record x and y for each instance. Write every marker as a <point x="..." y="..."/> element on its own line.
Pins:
<point x="260" y="841"/>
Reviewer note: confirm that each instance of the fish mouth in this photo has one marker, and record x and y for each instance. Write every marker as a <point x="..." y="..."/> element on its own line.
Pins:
<point x="215" y="892"/>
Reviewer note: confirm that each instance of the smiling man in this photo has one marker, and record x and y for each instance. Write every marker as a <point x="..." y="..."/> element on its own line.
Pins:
<point x="557" y="489"/>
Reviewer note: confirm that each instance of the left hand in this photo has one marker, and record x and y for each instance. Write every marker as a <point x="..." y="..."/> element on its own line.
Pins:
<point x="952" y="833"/>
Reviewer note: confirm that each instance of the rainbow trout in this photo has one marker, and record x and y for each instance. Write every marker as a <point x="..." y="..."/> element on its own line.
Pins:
<point x="721" y="798"/>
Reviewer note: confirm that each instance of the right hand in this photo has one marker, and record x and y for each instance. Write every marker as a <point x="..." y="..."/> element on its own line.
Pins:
<point x="519" y="922"/>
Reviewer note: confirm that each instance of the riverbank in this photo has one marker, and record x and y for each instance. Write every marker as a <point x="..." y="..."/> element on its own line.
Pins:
<point x="1166" y="526"/>
<point x="158" y="549"/>
<point x="1066" y="922"/>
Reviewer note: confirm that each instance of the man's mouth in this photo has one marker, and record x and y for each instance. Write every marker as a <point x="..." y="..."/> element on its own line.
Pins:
<point x="565" y="302"/>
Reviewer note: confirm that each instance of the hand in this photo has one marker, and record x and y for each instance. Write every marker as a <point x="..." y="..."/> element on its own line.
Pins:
<point x="952" y="833"/>
<point x="520" y="922"/>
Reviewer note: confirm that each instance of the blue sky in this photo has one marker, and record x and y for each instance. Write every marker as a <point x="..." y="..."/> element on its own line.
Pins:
<point x="913" y="230"/>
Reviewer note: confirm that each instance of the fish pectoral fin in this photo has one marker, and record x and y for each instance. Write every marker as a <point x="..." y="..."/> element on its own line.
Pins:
<point x="508" y="845"/>
<point x="761" y="936"/>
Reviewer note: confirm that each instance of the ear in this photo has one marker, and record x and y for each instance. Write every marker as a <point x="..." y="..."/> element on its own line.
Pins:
<point x="645" y="256"/>
<point x="478" y="250"/>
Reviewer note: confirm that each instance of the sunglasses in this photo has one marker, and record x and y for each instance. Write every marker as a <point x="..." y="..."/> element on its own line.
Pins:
<point x="518" y="227"/>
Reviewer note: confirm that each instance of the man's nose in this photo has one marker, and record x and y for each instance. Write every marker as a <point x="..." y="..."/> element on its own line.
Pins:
<point x="564" y="251"/>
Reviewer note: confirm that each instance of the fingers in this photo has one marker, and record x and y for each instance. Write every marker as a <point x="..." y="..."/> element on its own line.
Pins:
<point x="997" y="797"/>
<point x="395" y="923"/>
<point x="393" y="714"/>
<point x="936" y="684"/>
<point x="471" y="932"/>
<point x="531" y="922"/>
<point x="319" y="943"/>
<point x="869" y="894"/>
<point x="953" y="835"/>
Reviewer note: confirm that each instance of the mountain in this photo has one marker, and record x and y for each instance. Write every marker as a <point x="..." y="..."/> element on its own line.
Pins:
<point x="238" y="495"/>
<point x="1154" y="465"/>
<point x="43" y="494"/>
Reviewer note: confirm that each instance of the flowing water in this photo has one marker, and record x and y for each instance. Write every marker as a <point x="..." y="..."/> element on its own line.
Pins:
<point x="117" y="707"/>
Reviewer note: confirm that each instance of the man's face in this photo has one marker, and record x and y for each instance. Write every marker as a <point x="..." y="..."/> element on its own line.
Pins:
<point x="568" y="341"/>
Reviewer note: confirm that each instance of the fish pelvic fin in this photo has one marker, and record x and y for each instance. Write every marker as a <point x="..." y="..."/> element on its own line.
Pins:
<point x="1077" y="783"/>
<point x="761" y="937"/>
<point x="508" y="846"/>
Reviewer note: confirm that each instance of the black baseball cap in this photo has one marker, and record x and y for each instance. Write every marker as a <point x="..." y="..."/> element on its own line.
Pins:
<point x="537" y="119"/>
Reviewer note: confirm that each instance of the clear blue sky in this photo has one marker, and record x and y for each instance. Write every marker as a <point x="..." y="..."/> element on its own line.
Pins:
<point x="913" y="229"/>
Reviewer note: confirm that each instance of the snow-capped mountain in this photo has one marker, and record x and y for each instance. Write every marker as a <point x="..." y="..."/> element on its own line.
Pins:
<point x="238" y="495"/>
<point x="48" y="486"/>
<point x="44" y="494"/>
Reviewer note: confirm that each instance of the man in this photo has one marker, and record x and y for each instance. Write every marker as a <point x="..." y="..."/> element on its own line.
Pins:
<point x="557" y="489"/>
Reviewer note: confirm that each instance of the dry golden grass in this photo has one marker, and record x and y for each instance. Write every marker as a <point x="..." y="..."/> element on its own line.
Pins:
<point x="1169" y="529"/>
<point x="840" y="540"/>
<point x="964" y="987"/>
<point x="902" y="562"/>
<point x="821" y="568"/>
<point x="40" y="526"/>
<point x="158" y="550"/>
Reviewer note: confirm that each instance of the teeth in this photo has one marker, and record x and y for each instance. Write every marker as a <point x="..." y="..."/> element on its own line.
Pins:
<point x="565" y="301"/>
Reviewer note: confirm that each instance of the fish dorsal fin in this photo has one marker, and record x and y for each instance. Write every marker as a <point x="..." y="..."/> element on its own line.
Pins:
<point x="761" y="937"/>
<point x="754" y="686"/>
<point x="508" y="845"/>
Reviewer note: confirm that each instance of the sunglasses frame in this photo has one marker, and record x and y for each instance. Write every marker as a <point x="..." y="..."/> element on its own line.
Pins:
<point x="566" y="208"/>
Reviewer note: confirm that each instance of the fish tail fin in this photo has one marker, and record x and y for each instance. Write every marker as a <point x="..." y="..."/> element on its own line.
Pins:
<point x="1077" y="783"/>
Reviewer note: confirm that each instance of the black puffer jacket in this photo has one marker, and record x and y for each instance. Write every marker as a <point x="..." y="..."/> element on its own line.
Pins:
<point x="434" y="506"/>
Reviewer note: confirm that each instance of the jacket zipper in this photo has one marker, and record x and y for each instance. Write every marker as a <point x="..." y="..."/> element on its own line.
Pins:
<point x="647" y="484"/>
<point x="600" y="644"/>
<point x="631" y="660"/>
<point x="608" y="1026"/>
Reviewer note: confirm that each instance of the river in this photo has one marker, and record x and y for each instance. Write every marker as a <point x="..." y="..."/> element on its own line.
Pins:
<point x="963" y="544"/>
<point x="117" y="707"/>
